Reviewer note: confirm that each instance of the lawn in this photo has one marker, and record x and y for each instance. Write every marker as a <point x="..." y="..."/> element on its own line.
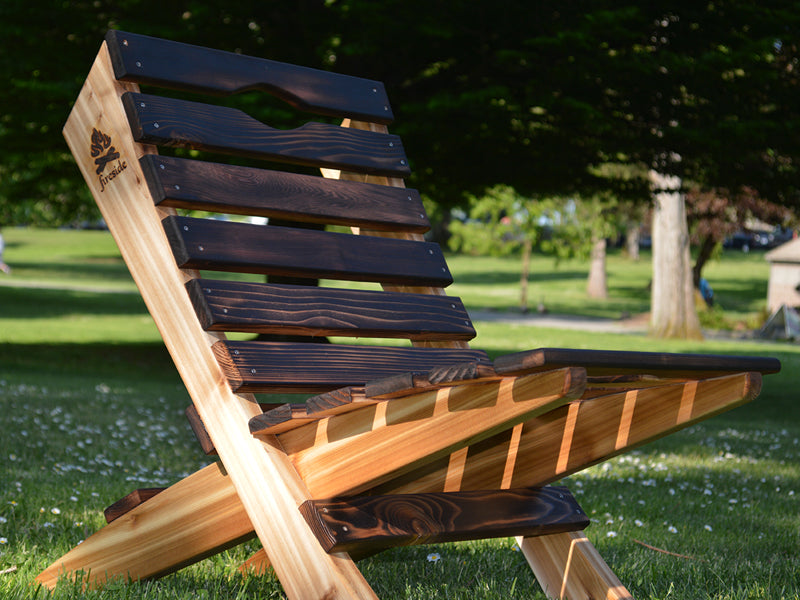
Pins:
<point x="91" y="408"/>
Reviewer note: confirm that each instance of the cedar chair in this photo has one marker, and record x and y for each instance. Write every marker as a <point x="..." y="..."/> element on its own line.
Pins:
<point x="429" y="441"/>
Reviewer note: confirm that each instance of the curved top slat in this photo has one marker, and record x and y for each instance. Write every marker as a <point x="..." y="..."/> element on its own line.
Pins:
<point x="150" y="60"/>
<point x="170" y="122"/>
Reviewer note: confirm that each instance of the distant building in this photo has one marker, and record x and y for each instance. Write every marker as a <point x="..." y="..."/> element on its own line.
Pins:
<point x="784" y="276"/>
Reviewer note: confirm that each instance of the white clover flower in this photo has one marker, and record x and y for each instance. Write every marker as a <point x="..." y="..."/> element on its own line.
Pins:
<point x="55" y="511"/>
<point x="708" y="528"/>
<point x="3" y="540"/>
<point x="638" y="523"/>
<point x="611" y="534"/>
<point x="672" y="529"/>
<point x="3" y="520"/>
<point x="434" y="557"/>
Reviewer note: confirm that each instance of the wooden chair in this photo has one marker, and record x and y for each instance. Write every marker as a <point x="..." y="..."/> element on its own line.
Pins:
<point x="398" y="444"/>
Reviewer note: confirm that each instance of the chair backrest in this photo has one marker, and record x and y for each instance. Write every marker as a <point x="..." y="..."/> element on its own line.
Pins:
<point x="362" y="188"/>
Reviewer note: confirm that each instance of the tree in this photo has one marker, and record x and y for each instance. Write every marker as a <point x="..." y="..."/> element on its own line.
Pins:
<point x="716" y="214"/>
<point x="532" y="95"/>
<point x="673" y="312"/>
<point x="501" y="222"/>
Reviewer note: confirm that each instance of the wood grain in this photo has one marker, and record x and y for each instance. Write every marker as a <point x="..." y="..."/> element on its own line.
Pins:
<point x="440" y="376"/>
<point x="276" y="366"/>
<point x="583" y="433"/>
<point x="181" y="123"/>
<point x="370" y="523"/>
<point x="143" y="59"/>
<point x="245" y="248"/>
<point x="129" y="502"/>
<point x="162" y="535"/>
<point x="258" y="470"/>
<point x="353" y="452"/>
<point x="318" y="312"/>
<point x="612" y="362"/>
<point x="231" y="189"/>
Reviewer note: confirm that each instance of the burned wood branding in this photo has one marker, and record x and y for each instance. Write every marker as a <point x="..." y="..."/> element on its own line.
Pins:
<point x="104" y="153"/>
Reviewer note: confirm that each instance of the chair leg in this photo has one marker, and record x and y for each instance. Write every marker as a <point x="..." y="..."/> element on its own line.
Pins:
<point x="567" y="565"/>
<point x="193" y="519"/>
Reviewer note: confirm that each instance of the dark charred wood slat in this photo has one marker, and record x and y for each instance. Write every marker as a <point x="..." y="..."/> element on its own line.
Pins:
<point x="612" y="362"/>
<point x="180" y="123"/>
<point x="215" y="187"/>
<point x="289" y="416"/>
<point x="409" y="383"/>
<point x="252" y="366"/>
<point x="338" y="401"/>
<point x="129" y="502"/>
<point x="370" y="523"/>
<point x="305" y="310"/>
<point x="199" y="430"/>
<point x="281" y="419"/>
<point x="245" y="248"/>
<point x="149" y="60"/>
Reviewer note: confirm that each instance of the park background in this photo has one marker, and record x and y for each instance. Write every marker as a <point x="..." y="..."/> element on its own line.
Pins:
<point x="534" y="130"/>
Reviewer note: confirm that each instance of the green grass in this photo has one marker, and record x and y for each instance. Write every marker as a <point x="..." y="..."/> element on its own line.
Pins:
<point x="91" y="408"/>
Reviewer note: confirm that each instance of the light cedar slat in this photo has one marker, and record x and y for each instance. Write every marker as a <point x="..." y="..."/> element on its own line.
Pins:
<point x="358" y="450"/>
<point x="319" y="311"/>
<point x="583" y="433"/>
<point x="258" y="469"/>
<point x="170" y="122"/>
<point x="569" y="566"/>
<point x="535" y="459"/>
<point x="231" y="189"/>
<point x="194" y="518"/>
<point x="143" y="59"/>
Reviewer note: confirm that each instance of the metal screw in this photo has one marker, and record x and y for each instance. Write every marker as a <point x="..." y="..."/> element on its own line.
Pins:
<point x="452" y="306"/>
<point x="344" y="528"/>
<point x="124" y="42"/>
<point x="325" y="510"/>
<point x="430" y="251"/>
<point x="253" y="371"/>
<point x="402" y="162"/>
<point x="374" y="90"/>
<point x="225" y="310"/>
<point x="200" y="248"/>
<point x="177" y="187"/>
<point x="386" y="108"/>
<point x="236" y="352"/>
<point x="139" y="64"/>
<point x="391" y="144"/>
<point x="186" y="228"/>
<point x="142" y="104"/>
<point x="156" y="125"/>
<point x="161" y="166"/>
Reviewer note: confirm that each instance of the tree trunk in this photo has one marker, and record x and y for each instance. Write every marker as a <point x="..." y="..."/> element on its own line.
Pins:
<point x="632" y="237"/>
<point x="706" y="250"/>
<point x="597" y="286"/>
<point x="673" y="312"/>
<point x="527" y="248"/>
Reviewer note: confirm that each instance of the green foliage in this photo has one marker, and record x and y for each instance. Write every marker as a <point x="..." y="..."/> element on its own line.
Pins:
<point x="534" y="96"/>
<point x="499" y="222"/>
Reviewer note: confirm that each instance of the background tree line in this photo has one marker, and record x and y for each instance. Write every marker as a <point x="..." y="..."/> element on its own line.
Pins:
<point x="551" y="98"/>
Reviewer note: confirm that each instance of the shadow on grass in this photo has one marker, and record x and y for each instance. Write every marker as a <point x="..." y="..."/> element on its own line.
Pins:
<point x="65" y="363"/>
<point x="501" y="278"/>
<point x="38" y="303"/>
